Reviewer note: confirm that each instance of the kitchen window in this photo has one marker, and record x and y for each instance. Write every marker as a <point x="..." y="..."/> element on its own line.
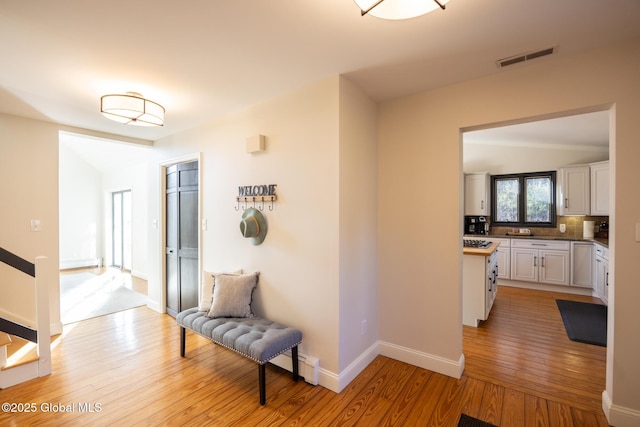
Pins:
<point x="526" y="199"/>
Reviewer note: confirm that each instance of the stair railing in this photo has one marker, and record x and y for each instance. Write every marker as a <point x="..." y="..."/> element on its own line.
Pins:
<point x="39" y="270"/>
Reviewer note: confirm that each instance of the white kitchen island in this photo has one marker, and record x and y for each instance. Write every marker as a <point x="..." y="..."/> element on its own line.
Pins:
<point x="479" y="283"/>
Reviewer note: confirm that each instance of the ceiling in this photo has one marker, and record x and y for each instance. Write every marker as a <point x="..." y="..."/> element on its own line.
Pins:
<point x="203" y="59"/>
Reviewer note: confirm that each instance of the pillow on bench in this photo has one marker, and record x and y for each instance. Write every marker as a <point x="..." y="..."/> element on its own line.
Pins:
<point x="232" y="295"/>
<point x="206" y="288"/>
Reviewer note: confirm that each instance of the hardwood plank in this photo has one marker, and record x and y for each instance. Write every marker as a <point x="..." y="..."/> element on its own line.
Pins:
<point x="536" y="413"/>
<point x="521" y="369"/>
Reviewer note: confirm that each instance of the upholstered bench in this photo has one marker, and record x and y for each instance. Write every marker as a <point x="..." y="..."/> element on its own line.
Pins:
<point x="257" y="338"/>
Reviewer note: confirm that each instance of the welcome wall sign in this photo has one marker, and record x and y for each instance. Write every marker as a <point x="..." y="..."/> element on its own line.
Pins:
<point x="256" y="193"/>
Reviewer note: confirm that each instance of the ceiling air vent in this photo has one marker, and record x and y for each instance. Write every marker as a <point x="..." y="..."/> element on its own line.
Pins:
<point x="505" y="62"/>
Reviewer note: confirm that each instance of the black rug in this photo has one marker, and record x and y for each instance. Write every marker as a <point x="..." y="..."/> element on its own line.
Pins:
<point x="584" y="322"/>
<point x="467" y="421"/>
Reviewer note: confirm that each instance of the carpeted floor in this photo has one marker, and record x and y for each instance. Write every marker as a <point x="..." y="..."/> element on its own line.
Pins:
<point x="85" y="295"/>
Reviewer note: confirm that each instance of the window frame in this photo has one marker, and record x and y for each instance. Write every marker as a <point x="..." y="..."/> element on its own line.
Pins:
<point x="521" y="178"/>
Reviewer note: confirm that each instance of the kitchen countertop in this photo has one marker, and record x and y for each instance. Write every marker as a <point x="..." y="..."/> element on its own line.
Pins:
<point x="481" y="251"/>
<point x="600" y="240"/>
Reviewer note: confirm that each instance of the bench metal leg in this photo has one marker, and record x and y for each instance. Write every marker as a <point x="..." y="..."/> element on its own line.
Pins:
<point x="294" y="361"/>
<point x="263" y="385"/>
<point x="183" y="333"/>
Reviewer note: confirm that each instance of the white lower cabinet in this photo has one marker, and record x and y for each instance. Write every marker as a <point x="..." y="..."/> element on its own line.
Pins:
<point x="544" y="261"/>
<point x="601" y="272"/>
<point x="582" y="262"/>
<point x="504" y="257"/>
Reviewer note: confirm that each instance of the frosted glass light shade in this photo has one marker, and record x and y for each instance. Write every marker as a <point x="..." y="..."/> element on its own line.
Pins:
<point x="399" y="9"/>
<point x="132" y="109"/>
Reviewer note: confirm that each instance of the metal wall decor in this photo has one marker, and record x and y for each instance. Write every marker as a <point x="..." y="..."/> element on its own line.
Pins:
<point x="252" y="194"/>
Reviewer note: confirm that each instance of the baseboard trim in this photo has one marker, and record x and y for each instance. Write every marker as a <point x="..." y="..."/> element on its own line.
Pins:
<point x="448" y="367"/>
<point x="356" y="367"/>
<point x="619" y="416"/>
<point x="80" y="263"/>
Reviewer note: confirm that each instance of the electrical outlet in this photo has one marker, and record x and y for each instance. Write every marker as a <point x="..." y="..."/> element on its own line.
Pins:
<point x="364" y="327"/>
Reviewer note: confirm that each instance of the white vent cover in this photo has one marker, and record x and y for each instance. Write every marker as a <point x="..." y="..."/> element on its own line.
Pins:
<point x="505" y="62"/>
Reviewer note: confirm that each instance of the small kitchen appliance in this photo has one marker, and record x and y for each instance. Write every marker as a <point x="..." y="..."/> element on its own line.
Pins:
<point x="476" y="225"/>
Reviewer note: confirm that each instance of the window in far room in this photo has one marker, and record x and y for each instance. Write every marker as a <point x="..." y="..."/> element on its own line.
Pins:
<point x="526" y="199"/>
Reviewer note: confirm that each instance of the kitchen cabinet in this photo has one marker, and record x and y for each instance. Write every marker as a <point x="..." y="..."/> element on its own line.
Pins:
<point x="479" y="287"/>
<point x="601" y="272"/>
<point x="504" y="257"/>
<point x="476" y="193"/>
<point x="543" y="261"/>
<point x="573" y="190"/>
<point x="582" y="261"/>
<point x="600" y="188"/>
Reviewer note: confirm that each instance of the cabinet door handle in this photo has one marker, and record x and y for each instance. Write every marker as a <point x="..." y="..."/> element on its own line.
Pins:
<point x="542" y="262"/>
<point x="566" y="203"/>
<point x="538" y="244"/>
<point x="535" y="261"/>
<point x="481" y="204"/>
<point x="607" y="280"/>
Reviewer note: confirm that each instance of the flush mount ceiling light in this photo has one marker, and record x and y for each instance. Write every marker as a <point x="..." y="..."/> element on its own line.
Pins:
<point x="132" y="109"/>
<point x="399" y="9"/>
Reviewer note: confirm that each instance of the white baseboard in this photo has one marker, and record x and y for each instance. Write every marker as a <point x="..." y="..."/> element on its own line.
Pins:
<point x="80" y="263"/>
<point x="357" y="366"/>
<point x="451" y="368"/>
<point x="139" y="274"/>
<point x="545" y="287"/>
<point x="619" y="416"/>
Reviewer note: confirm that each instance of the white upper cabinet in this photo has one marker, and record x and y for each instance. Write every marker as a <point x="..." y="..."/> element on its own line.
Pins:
<point x="476" y="194"/>
<point x="600" y="188"/>
<point x="574" y="194"/>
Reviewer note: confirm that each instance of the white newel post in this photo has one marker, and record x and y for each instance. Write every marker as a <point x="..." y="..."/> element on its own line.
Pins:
<point x="43" y="325"/>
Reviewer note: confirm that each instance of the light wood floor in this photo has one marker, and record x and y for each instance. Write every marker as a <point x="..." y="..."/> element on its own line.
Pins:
<point x="521" y="370"/>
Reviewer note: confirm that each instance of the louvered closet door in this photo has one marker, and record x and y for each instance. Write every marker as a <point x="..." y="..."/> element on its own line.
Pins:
<point x="182" y="237"/>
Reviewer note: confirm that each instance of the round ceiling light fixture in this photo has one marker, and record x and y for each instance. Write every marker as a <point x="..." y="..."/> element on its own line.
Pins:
<point x="132" y="109"/>
<point x="399" y="9"/>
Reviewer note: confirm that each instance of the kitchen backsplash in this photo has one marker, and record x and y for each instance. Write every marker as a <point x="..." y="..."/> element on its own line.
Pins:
<point x="574" y="227"/>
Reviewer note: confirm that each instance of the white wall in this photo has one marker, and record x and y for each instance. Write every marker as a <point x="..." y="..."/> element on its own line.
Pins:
<point x="420" y="161"/>
<point x="358" y="195"/>
<point x="29" y="173"/>
<point x="81" y="211"/>
<point x="299" y="259"/>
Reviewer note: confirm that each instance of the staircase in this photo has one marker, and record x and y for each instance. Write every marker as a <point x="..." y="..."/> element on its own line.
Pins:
<point x="31" y="367"/>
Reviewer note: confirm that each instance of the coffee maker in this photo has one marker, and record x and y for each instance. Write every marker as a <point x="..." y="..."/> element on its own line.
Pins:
<point x="476" y="225"/>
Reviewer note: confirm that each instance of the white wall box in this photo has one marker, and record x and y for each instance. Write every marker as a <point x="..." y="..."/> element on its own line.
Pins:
<point x="544" y="261"/>
<point x="476" y="193"/>
<point x="582" y="260"/>
<point x="573" y="193"/>
<point x="600" y="188"/>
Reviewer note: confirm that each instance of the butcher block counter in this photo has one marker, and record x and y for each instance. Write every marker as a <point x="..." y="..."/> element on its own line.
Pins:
<point x="481" y="251"/>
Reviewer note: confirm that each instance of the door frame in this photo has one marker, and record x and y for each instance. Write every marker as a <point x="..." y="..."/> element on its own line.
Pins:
<point x="162" y="226"/>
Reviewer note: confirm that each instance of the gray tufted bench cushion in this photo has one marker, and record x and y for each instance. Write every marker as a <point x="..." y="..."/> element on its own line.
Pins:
<point x="257" y="338"/>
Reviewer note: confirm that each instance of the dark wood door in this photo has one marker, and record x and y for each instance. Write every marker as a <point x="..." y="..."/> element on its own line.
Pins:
<point x="182" y="237"/>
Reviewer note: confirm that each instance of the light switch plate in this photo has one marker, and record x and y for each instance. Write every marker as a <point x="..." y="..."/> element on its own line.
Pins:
<point x="35" y="225"/>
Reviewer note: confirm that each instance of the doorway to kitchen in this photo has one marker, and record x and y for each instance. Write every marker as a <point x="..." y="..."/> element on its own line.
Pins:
<point x="540" y="360"/>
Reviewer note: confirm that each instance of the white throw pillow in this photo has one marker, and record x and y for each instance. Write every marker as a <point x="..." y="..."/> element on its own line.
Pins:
<point x="206" y="289"/>
<point x="232" y="295"/>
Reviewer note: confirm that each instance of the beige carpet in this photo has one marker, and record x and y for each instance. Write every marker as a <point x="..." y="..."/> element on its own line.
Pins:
<point x="85" y="295"/>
